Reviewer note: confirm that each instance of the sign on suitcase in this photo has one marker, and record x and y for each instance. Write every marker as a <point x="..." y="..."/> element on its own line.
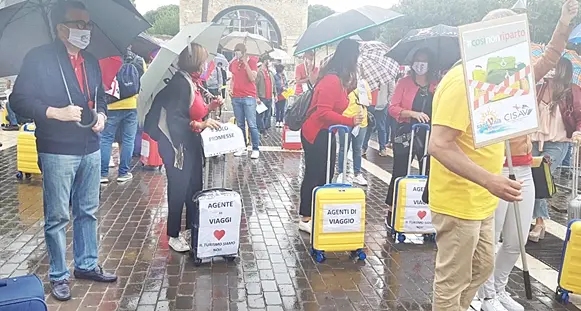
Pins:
<point x="219" y="230"/>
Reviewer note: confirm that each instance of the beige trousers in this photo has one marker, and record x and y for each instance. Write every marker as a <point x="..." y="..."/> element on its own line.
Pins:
<point x="464" y="261"/>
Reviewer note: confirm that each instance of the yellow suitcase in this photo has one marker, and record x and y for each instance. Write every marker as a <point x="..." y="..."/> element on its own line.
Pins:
<point x="338" y="212"/>
<point x="4" y="116"/>
<point x="570" y="275"/>
<point x="410" y="214"/>
<point x="26" y="154"/>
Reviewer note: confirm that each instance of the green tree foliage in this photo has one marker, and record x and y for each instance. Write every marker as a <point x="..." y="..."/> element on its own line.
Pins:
<point x="543" y="16"/>
<point x="318" y="12"/>
<point x="165" y="20"/>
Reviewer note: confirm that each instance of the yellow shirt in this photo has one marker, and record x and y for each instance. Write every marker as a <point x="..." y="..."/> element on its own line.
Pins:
<point x="354" y="108"/>
<point x="451" y="194"/>
<point x="127" y="103"/>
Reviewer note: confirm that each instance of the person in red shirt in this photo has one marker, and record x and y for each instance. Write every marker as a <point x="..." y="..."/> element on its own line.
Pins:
<point x="306" y="72"/>
<point x="336" y="79"/>
<point x="266" y="93"/>
<point x="244" y="70"/>
<point x="180" y="142"/>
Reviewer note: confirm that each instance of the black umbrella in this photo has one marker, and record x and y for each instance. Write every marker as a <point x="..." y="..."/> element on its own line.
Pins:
<point x="25" y="25"/>
<point x="144" y="45"/>
<point x="343" y="25"/>
<point x="442" y="40"/>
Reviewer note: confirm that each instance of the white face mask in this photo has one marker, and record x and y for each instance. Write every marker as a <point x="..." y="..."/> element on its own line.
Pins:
<point x="420" y="68"/>
<point x="238" y="54"/>
<point x="79" y="38"/>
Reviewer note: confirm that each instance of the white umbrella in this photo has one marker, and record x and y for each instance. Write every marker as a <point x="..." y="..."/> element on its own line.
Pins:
<point x="279" y="54"/>
<point x="255" y="44"/>
<point x="164" y="65"/>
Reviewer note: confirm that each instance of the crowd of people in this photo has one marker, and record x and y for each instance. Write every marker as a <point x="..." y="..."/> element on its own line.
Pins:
<point x="468" y="217"/>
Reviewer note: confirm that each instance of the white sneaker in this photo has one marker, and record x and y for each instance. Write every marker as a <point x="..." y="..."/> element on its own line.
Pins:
<point x="124" y="178"/>
<point x="509" y="303"/>
<point x="179" y="244"/>
<point x="240" y="153"/>
<point x="360" y="180"/>
<point x="305" y="226"/>
<point x="255" y="154"/>
<point x="104" y="180"/>
<point x="492" y="305"/>
<point x="348" y="179"/>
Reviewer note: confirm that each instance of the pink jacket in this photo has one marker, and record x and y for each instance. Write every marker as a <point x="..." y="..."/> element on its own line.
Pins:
<point x="403" y="97"/>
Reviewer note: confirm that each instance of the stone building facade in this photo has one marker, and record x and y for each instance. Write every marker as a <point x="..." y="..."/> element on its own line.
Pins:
<point x="281" y="21"/>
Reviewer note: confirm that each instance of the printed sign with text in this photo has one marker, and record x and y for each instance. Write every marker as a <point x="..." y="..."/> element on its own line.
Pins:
<point x="342" y="218"/>
<point x="219" y="230"/>
<point x="227" y="139"/>
<point x="417" y="216"/>
<point x="500" y="82"/>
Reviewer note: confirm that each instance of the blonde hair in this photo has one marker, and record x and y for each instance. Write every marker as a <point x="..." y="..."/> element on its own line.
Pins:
<point x="193" y="62"/>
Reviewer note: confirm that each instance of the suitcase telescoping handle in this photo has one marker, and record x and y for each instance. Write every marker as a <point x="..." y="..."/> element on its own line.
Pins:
<point x="339" y="128"/>
<point x="411" y="155"/>
<point x="575" y="167"/>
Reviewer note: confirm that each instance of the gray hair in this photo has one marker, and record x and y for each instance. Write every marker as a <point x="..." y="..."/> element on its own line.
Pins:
<point x="499" y="13"/>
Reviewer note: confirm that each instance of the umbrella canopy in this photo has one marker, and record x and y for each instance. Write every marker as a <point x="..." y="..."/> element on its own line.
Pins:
<point x="576" y="61"/>
<point x="442" y="40"/>
<point x="256" y="45"/>
<point x="164" y="65"/>
<point x="220" y="58"/>
<point x="575" y="36"/>
<point x="144" y="45"/>
<point x="24" y="26"/>
<point x="279" y="54"/>
<point x="375" y="67"/>
<point x="343" y="25"/>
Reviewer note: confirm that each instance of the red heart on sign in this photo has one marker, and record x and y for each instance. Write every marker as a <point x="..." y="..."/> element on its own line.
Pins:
<point x="219" y="234"/>
<point x="422" y="214"/>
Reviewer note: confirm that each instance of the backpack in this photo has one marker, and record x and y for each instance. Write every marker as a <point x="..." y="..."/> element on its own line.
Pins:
<point x="129" y="77"/>
<point x="298" y="113"/>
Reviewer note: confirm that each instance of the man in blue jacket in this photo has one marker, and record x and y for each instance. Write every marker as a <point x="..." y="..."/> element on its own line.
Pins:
<point x="68" y="155"/>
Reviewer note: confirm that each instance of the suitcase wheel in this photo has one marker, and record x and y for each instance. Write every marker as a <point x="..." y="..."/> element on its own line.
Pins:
<point x="430" y="237"/>
<point x="19" y="175"/>
<point x="401" y="237"/>
<point x="229" y="258"/>
<point x="359" y="254"/>
<point x="197" y="262"/>
<point x="562" y="295"/>
<point x="318" y="255"/>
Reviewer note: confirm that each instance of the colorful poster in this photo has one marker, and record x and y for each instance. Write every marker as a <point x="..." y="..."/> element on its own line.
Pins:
<point x="499" y="79"/>
<point x="219" y="230"/>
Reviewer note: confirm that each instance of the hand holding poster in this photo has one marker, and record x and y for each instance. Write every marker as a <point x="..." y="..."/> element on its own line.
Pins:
<point x="227" y="139"/>
<point x="499" y="79"/>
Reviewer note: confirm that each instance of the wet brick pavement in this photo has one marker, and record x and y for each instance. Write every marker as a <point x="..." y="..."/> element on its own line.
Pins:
<point x="274" y="271"/>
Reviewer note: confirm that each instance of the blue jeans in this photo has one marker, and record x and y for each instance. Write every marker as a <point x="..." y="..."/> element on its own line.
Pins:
<point x="263" y="120"/>
<point x="567" y="160"/>
<point x="556" y="151"/>
<point x="380" y="126"/>
<point x="12" y="120"/>
<point x="127" y="120"/>
<point x="245" y="112"/>
<point x="70" y="180"/>
<point x="357" y="150"/>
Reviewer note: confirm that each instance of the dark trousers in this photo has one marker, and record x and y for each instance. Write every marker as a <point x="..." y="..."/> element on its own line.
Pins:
<point x="315" y="168"/>
<point x="400" y="166"/>
<point x="280" y="108"/>
<point x="263" y="119"/>
<point x="182" y="184"/>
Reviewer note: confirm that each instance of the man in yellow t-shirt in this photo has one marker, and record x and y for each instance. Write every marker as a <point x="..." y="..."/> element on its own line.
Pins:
<point x="464" y="187"/>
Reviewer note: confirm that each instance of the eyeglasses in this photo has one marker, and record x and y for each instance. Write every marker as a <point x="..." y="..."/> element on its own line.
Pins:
<point x="81" y="24"/>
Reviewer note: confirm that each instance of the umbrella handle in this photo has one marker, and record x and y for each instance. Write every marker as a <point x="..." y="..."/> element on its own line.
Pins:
<point x="94" y="119"/>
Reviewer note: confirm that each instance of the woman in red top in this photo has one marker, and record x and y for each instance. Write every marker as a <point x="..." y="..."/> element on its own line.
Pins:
<point x="180" y="144"/>
<point x="336" y="79"/>
<point x="411" y="103"/>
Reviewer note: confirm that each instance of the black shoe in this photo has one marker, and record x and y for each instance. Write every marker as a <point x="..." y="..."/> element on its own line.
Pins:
<point x="12" y="128"/>
<point x="60" y="290"/>
<point x="97" y="275"/>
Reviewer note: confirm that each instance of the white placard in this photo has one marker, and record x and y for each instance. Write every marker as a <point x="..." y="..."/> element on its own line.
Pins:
<point x="292" y="136"/>
<point x="417" y="216"/>
<point x="339" y="218"/>
<point x="227" y="139"/>
<point x="260" y="108"/>
<point x="500" y="82"/>
<point x="145" y="148"/>
<point x="219" y="230"/>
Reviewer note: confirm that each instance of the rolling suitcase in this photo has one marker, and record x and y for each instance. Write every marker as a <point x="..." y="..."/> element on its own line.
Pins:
<point x="26" y="154"/>
<point x="22" y="293"/>
<point x="569" y="280"/>
<point x="338" y="212"/>
<point x="410" y="213"/>
<point x="574" y="209"/>
<point x="217" y="218"/>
